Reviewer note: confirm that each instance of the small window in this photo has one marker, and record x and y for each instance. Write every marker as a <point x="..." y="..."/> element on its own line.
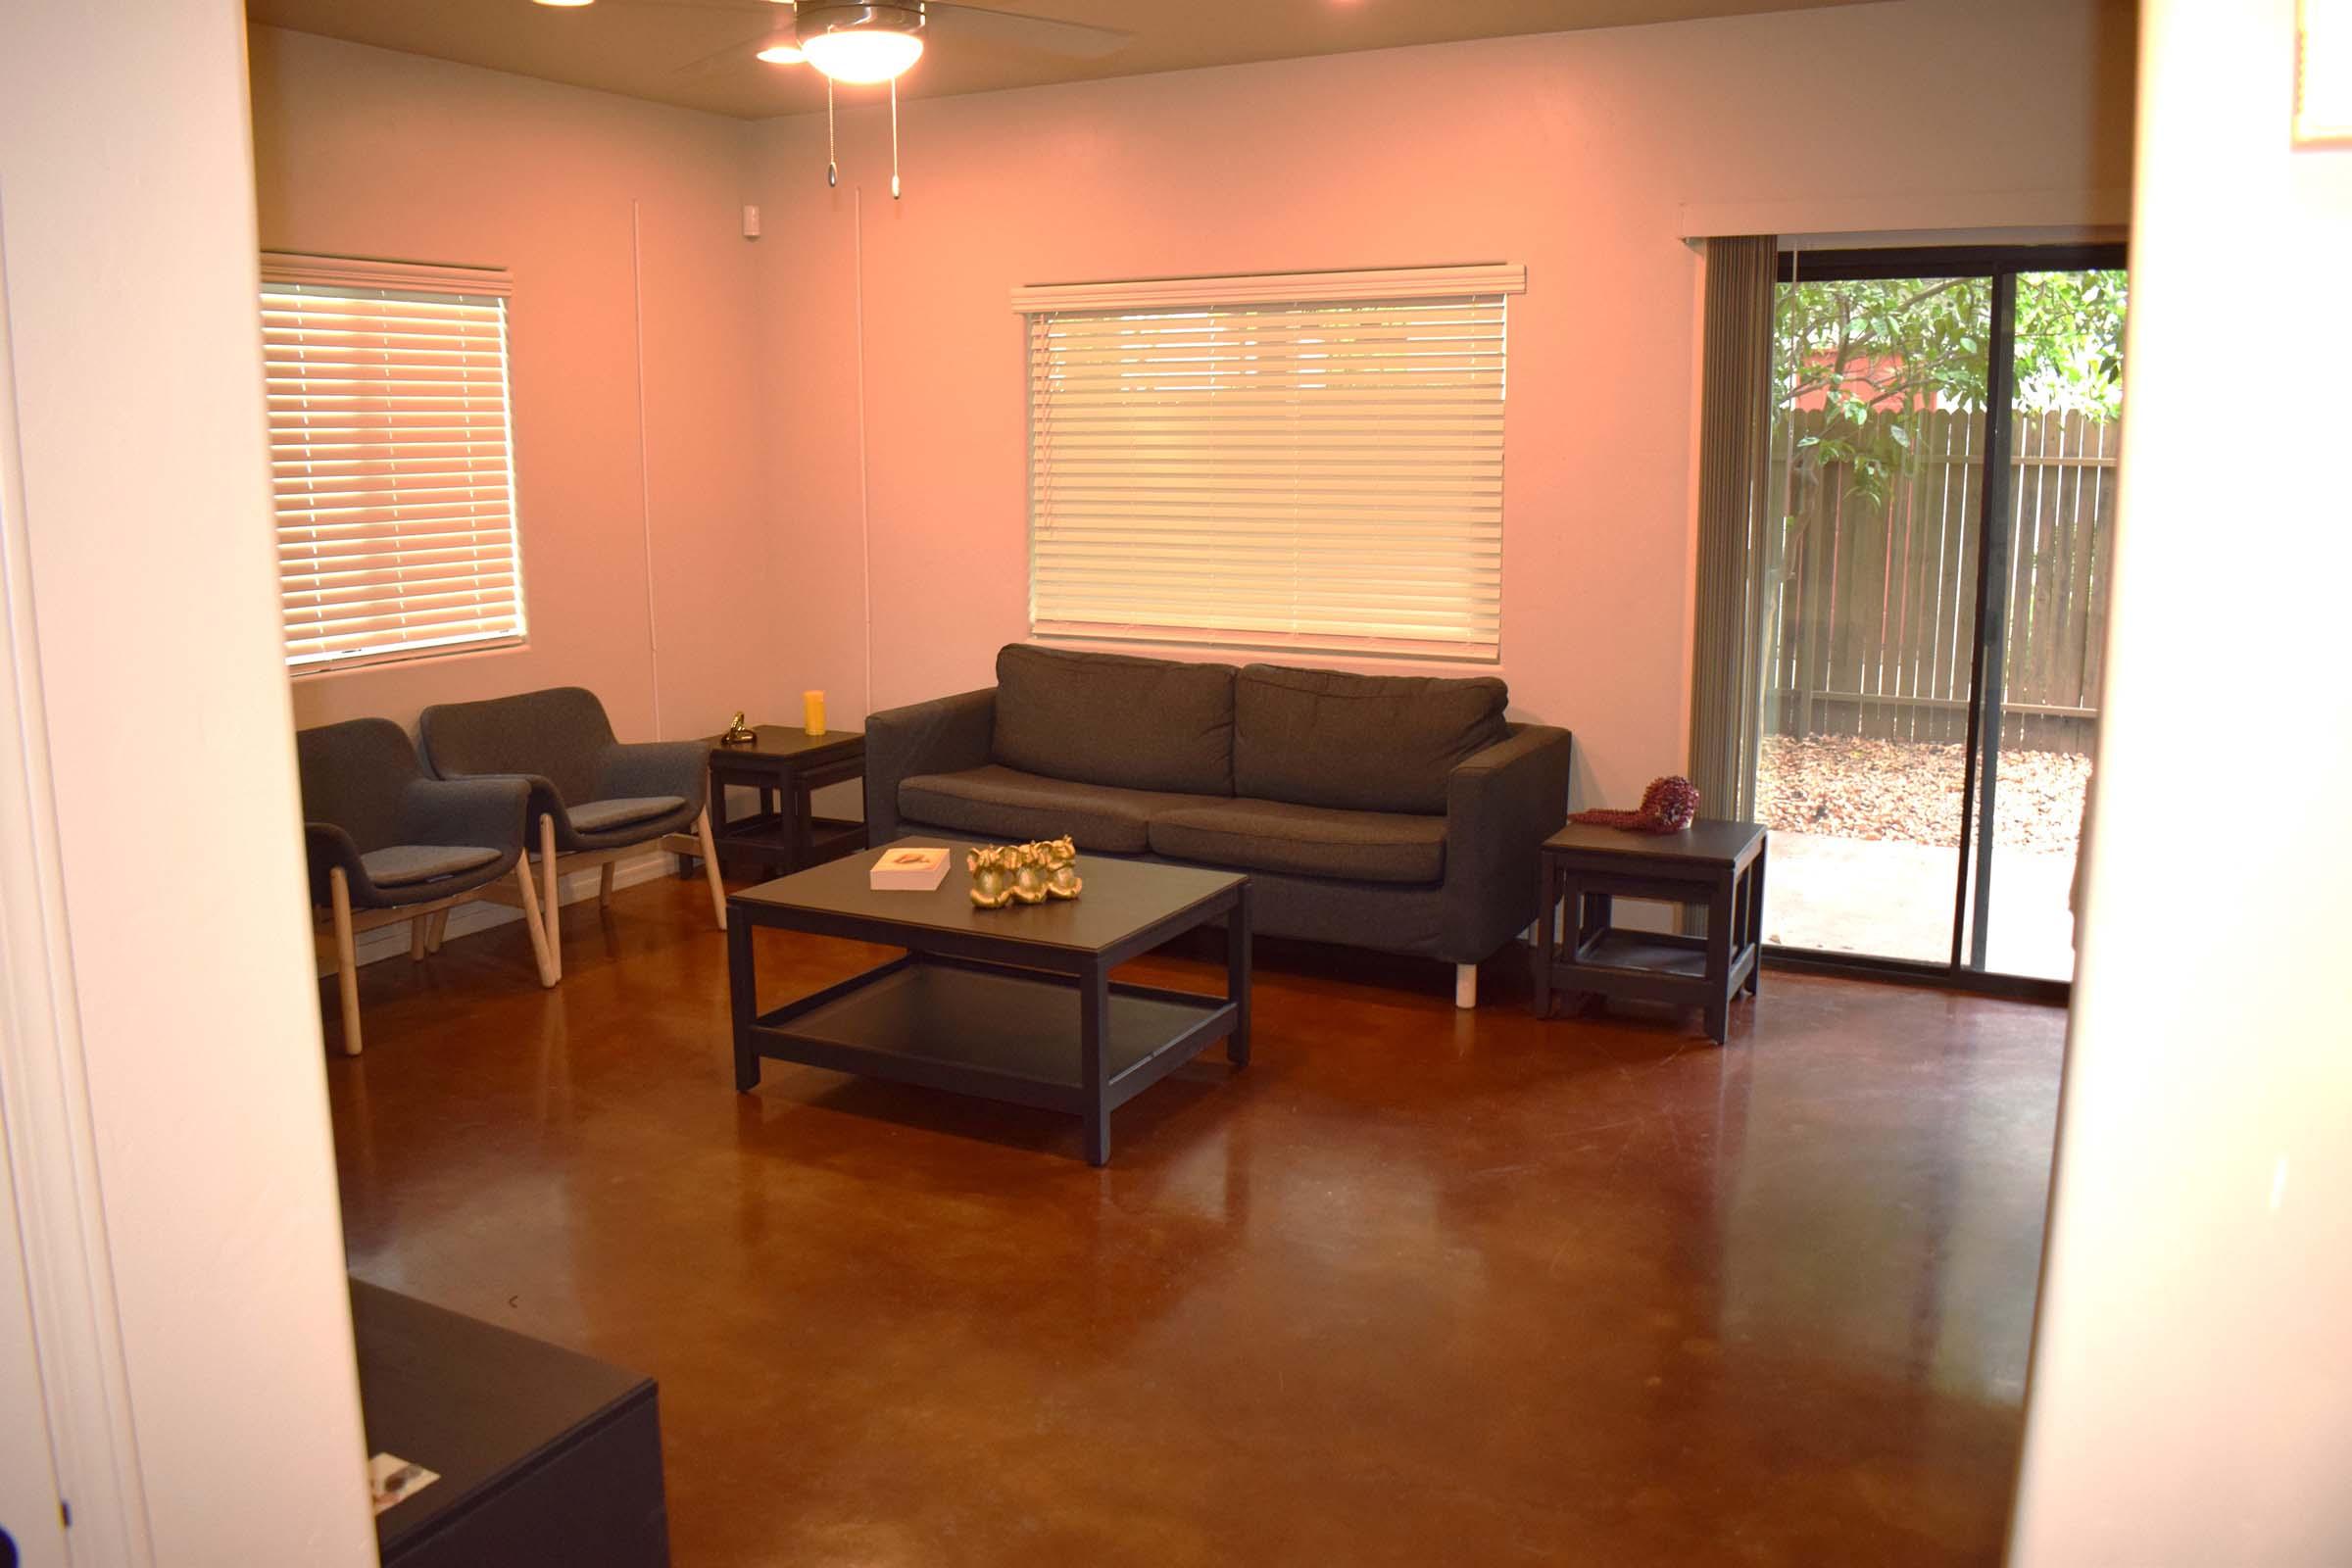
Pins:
<point x="1299" y="462"/>
<point x="391" y="455"/>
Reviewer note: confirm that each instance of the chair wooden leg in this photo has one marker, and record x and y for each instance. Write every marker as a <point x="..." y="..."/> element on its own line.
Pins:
<point x="552" y="899"/>
<point x="418" y="939"/>
<point x="543" y="948"/>
<point x="436" y="927"/>
<point x="719" y="888"/>
<point x="1465" y="985"/>
<point x="604" y="886"/>
<point x="347" y="963"/>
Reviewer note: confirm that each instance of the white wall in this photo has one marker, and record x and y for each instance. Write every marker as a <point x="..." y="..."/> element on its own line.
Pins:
<point x="127" y="226"/>
<point x="2190" y="1400"/>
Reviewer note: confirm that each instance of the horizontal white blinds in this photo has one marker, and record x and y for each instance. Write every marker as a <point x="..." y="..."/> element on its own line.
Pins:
<point x="1321" y="475"/>
<point x="391" y="456"/>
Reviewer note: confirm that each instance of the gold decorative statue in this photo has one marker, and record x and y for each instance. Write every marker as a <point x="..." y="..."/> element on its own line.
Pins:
<point x="739" y="733"/>
<point x="1006" y="874"/>
<point x="1062" y="867"/>
<point x="992" y="886"/>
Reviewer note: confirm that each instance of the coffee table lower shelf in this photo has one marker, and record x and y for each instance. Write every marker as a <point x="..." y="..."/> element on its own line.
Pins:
<point x="991" y="1031"/>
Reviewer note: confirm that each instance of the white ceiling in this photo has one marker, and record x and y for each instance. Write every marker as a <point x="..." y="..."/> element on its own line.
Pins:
<point x="647" y="48"/>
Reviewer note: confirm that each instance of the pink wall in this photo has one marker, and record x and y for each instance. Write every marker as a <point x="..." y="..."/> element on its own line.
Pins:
<point x="862" y="361"/>
<point x="1572" y="152"/>
<point x="367" y="152"/>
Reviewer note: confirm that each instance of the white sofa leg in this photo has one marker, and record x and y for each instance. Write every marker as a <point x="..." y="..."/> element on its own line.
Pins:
<point x="1465" y="985"/>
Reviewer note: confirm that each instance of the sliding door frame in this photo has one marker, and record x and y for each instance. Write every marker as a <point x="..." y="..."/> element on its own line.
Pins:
<point x="1971" y="895"/>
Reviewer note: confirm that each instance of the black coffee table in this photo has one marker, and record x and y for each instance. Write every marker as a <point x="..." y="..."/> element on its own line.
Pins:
<point x="1014" y="1005"/>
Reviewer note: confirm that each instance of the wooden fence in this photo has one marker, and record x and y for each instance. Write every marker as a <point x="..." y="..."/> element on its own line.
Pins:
<point x="1870" y="601"/>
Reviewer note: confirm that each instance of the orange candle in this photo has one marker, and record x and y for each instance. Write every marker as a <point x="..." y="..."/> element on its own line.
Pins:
<point x="813" y="704"/>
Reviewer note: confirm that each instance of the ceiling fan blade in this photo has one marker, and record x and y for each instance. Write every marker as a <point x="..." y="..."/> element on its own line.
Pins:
<point x="741" y="50"/>
<point x="741" y="8"/>
<point x="1075" y="39"/>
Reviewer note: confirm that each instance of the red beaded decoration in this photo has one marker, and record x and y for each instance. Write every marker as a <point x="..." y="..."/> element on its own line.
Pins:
<point x="1668" y="806"/>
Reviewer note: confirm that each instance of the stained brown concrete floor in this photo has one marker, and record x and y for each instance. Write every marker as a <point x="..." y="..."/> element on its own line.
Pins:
<point x="1416" y="1286"/>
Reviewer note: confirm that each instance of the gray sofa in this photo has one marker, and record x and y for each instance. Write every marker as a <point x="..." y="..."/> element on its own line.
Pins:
<point x="1400" y="813"/>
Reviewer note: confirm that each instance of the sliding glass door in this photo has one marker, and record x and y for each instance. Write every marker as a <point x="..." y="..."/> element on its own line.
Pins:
<point x="1930" y="599"/>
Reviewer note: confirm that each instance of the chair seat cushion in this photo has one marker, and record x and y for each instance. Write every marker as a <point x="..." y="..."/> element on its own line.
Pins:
<point x="1252" y="835"/>
<point x="400" y="865"/>
<point x="603" y="816"/>
<point x="1008" y="803"/>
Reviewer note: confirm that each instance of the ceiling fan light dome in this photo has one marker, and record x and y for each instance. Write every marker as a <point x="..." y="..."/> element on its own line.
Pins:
<point x="863" y="57"/>
<point x="862" y="44"/>
<point x="782" y="53"/>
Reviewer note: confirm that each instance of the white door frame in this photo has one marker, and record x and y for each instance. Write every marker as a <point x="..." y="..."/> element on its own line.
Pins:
<point x="45" y="1119"/>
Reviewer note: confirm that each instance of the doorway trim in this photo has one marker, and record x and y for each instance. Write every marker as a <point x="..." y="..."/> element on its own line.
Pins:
<point x="2002" y="263"/>
<point x="45" y="1121"/>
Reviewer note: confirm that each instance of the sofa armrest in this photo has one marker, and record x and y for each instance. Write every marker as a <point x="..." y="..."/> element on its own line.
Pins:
<point x="486" y="811"/>
<point x="945" y="735"/>
<point x="1501" y="804"/>
<point x="654" y="768"/>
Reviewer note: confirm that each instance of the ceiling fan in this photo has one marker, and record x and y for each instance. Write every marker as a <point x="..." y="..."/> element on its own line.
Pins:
<point x="869" y="44"/>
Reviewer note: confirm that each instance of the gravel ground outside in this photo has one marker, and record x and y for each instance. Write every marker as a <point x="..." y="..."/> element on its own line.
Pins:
<point x="1849" y="786"/>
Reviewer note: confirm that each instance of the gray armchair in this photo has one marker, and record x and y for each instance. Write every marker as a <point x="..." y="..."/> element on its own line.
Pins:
<point x="387" y="843"/>
<point x="592" y="797"/>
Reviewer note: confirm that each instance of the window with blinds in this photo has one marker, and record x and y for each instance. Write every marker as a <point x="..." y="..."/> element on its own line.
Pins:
<point x="391" y="451"/>
<point x="1303" y="462"/>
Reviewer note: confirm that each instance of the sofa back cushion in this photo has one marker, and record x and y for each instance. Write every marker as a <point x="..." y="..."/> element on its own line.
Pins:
<point x="1105" y="719"/>
<point x="1367" y="742"/>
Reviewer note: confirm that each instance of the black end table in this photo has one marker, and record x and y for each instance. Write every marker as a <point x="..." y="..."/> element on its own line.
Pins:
<point x="1717" y="865"/>
<point x="786" y="767"/>
<point x="1015" y="1004"/>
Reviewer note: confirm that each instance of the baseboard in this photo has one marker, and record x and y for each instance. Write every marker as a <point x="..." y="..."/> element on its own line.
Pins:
<point x="392" y="941"/>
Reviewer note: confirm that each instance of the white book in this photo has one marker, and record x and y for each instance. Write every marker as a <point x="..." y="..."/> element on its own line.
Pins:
<point x="909" y="870"/>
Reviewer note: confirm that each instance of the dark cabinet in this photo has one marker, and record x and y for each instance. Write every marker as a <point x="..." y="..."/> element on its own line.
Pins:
<point x="544" y="1456"/>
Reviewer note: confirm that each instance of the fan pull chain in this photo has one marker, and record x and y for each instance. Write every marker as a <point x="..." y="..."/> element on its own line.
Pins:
<point x="894" y="138"/>
<point x="832" y="162"/>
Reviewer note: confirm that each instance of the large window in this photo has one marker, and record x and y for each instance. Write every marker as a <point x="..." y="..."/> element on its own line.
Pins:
<point x="1308" y="460"/>
<point x="391" y="453"/>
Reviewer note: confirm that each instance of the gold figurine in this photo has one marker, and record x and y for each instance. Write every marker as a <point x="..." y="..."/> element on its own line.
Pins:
<point x="739" y="733"/>
<point x="992" y="887"/>
<point x="1006" y="874"/>
<point x="1062" y="868"/>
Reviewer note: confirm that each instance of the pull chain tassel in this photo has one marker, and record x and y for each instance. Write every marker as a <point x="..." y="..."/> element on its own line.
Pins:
<point x="894" y="138"/>
<point x="832" y="161"/>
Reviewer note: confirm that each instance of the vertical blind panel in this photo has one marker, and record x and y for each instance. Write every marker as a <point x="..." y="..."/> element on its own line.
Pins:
<point x="1320" y="476"/>
<point x="392" y="464"/>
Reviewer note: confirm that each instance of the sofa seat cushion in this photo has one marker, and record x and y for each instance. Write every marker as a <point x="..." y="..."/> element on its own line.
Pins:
<point x="1004" y="803"/>
<point x="607" y="816"/>
<point x="1112" y="718"/>
<point x="1365" y="743"/>
<point x="1250" y="835"/>
<point x="400" y="865"/>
